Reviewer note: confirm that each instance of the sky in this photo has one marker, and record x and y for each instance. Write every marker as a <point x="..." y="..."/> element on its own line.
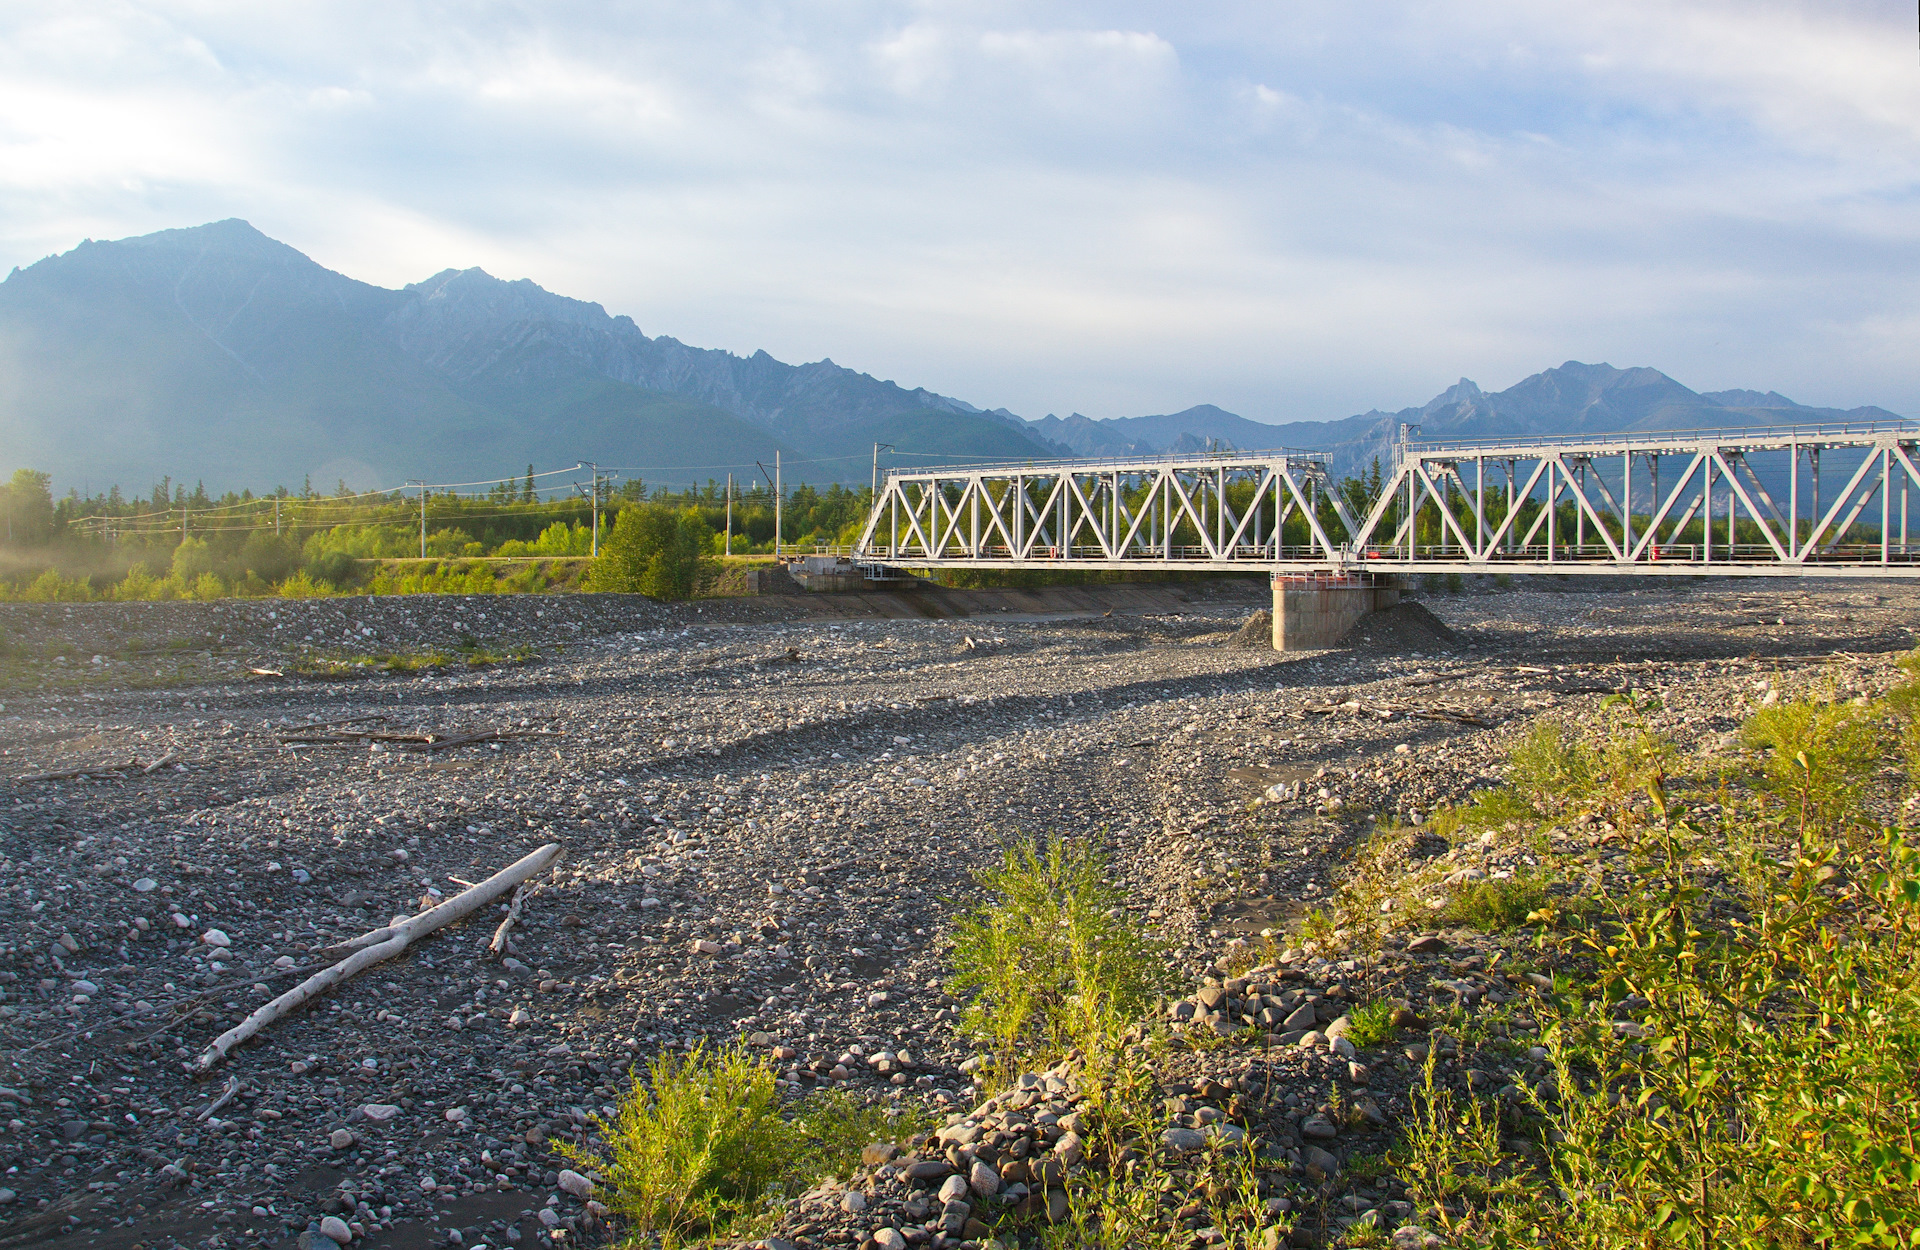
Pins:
<point x="1296" y="211"/>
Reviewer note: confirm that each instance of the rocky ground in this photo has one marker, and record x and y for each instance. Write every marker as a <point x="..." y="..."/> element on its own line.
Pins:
<point x="769" y="817"/>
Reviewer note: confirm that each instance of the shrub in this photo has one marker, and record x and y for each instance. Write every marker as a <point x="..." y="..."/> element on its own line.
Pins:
<point x="302" y="586"/>
<point x="694" y="1148"/>
<point x="1818" y="756"/>
<point x="654" y="550"/>
<point x="1371" y="1025"/>
<point x="51" y="587"/>
<point x="1489" y="809"/>
<point x="138" y="584"/>
<point x="1549" y="767"/>
<point x="335" y="568"/>
<point x="1497" y="903"/>
<point x="830" y="1129"/>
<point x="1731" y="1062"/>
<point x="1046" y="958"/>
<point x="190" y="559"/>
<point x="269" y="555"/>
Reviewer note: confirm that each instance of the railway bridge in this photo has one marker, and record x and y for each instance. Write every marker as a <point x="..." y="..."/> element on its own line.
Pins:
<point x="1826" y="501"/>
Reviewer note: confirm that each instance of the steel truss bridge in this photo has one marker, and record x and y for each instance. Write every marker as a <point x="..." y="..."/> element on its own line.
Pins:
<point x="1787" y="502"/>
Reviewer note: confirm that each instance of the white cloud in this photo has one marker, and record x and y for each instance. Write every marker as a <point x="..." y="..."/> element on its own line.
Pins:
<point x="1295" y="210"/>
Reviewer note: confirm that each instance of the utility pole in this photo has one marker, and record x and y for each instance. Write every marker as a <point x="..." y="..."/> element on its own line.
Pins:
<point x="423" y="514"/>
<point x="587" y="464"/>
<point x="773" y="480"/>
<point x="729" y="514"/>
<point x="875" y="493"/>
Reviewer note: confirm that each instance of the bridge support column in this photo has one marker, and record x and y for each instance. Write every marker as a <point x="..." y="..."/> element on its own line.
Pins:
<point x="1314" y="612"/>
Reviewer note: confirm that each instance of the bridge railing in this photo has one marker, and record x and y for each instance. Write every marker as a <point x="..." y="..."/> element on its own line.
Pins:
<point x="1752" y="437"/>
<point x="1098" y="464"/>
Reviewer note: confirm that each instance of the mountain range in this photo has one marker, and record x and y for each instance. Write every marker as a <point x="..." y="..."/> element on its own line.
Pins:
<point x="218" y="353"/>
<point x="1573" y="398"/>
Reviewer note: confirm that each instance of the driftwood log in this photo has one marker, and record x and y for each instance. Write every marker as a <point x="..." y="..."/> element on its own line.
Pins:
<point x="378" y="947"/>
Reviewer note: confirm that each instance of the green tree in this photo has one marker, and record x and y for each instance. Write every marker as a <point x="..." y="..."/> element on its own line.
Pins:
<point x="29" y="503"/>
<point x="269" y="555"/>
<point x="654" y="550"/>
<point x="190" y="559"/>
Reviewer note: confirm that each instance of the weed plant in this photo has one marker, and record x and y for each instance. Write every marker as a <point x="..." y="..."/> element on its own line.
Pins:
<point x="693" y="1151"/>
<point x="698" y="1149"/>
<point x="1734" y="1046"/>
<point x="1371" y="1025"/>
<point x="1497" y="904"/>
<point x="1047" y="959"/>
<point x="1550" y="768"/>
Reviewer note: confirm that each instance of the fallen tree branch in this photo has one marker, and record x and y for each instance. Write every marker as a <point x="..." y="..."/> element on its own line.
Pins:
<point x="498" y="946"/>
<point x="397" y="939"/>
<point x="67" y="774"/>
<point x="233" y="1088"/>
<point x="160" y="763"/>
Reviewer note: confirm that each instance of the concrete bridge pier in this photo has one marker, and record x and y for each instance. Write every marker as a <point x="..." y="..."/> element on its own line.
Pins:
<point x="1314" y="611"/>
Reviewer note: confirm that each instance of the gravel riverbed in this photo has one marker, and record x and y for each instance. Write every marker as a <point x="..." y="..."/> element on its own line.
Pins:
<point x="769" y="819"/>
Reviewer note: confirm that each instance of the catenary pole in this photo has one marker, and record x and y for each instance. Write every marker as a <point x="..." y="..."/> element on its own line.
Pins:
<point x="423" y="514"/>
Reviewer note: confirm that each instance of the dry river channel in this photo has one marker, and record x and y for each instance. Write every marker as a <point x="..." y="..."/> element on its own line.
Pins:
<point x="770" y="819"/>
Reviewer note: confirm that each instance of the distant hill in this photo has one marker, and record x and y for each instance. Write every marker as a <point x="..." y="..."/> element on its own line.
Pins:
<point x="1574" y="398"/>
<point x="217" y="353"/>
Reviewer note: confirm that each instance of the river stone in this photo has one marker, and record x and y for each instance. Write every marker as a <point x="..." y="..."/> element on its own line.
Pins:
<point x="1183" y="1141"/>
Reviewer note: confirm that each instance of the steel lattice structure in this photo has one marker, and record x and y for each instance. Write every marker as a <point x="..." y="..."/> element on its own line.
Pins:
<point x="1108" y="513"/>
<point x="1731" y="502"/>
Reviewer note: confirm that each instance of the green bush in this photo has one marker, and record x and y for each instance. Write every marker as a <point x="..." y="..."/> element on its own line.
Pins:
<point x="694" y="1149"/>
<point x="1048" y="959"/>
<point x="654" y="550"/>
<point x="558" y="539"/>
<point x="190" y="559"/>
<point x="1497" y="903"/>
<point x="269" y="556"/>
<point x="51" y="587"/>
<point x="335" y="568"/>
<point x="1489" y="809"/>
<point x="137" y="585"/>
<point x="1370" y="1025"/>
<point x="1818" y="756"/>
<point x="830" y="1129"/>
<point x="1550" y="768"/>
<point x="301" y="586"/>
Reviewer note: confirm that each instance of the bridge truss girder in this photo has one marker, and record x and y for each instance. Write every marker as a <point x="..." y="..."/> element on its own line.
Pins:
<point x="1480" y="496"/>
<point x="1590" y="505"/>
<point x="1108" y="513"/>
